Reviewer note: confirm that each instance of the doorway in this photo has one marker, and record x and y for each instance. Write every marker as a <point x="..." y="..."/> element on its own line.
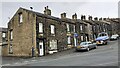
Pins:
<point x="41" y="48"/>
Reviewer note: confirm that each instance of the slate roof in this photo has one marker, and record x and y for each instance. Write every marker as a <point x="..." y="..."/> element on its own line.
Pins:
<point x="50" y="17"/>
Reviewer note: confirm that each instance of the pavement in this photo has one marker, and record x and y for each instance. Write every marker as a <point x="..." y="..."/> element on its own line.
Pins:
<point x="105" y="55"/>
<point x="13" y="60"/>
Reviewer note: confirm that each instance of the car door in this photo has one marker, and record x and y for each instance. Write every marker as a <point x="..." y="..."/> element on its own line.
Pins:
<point x="91" y="45"/>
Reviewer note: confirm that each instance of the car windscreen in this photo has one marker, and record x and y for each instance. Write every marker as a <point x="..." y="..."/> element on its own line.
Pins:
<point x="83" y="43"/>
<point x="102" y="34"/>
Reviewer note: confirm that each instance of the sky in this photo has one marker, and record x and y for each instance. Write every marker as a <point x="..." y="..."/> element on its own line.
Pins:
<point x="89" y="7"/>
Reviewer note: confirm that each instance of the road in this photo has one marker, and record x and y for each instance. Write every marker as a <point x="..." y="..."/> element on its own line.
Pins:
<point x="105" y="55"/>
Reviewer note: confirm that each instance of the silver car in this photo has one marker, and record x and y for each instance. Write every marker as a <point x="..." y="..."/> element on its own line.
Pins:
<point x="86" y="46"/>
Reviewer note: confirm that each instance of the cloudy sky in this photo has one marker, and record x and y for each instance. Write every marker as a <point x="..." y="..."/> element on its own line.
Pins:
<point x="94" y="8"/>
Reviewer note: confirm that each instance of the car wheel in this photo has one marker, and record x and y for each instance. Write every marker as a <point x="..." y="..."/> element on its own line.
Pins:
<point x="88" y="49"/>
<point x="95" y="47"/>
<point x="106" y="43"/>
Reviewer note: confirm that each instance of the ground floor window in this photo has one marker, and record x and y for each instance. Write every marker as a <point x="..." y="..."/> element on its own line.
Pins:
<point x="69" y="40"/>
<point x="81" y="38"/>
<point x="10" y="49"/>
<point x="86" y="38"/>
<point x="53" y="44"/>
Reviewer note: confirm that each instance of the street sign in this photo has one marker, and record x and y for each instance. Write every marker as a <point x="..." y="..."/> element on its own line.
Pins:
<point x="75" y="34"/>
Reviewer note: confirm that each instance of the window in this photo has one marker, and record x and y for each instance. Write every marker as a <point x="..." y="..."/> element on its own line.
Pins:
<point x="10" y="49"/>
<point x="41" y="27"/>
<point x="53" y="44"/>
<point x="3" y="35"/>
<point x="74" y="27"/>
<point x="81" y="38"/>
<point x="11" y="34"/>
<point x="68" y="29"/>
<point x="69" y="41"/>
<point x="20" y="17"/>
<point x="81" y="28"/>
<point x="52" y="29"/>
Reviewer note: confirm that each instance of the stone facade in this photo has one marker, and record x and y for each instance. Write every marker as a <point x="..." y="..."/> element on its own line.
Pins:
<point x="3" y="41"/>
<point x="32" y="33"/>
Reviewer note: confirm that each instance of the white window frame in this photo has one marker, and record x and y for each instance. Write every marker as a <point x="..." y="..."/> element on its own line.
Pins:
<point x="68" y="27"/>
<point x="74" y="27"/>
<point x="82" y="38"/>
<point x="10" y="48"/>
<point x="52" y="27"/>
<point x="69" y="40"/>
<point x="3" y="35"/>
<point x="11" y="34"/>
<point x="41" y="27"/>
<point x="53" y="44"/>
<point x="81" y="27"/>
<point x="21" y="17"/>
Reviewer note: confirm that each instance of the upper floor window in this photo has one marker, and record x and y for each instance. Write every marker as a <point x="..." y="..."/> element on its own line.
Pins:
<point x="11" y="34"/>
<point x="52" y="27"/>
<point x="20" y="17"/>
<point x="3" y="35"/>
<point x="68" y="28"/>
<point x="81" y="28"/>
<point x="74" y="27"/>
<point x="41" y="27"/>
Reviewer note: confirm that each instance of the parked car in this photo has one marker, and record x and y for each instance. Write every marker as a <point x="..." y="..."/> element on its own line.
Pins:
<point x="86" y="46"/>
<point x="114" y="37"/>
<point x="102" y="38"/>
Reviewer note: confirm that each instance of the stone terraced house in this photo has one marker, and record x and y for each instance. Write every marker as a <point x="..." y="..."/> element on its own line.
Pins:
<point x="32" y="33"/>
<point x="3" y="41"/>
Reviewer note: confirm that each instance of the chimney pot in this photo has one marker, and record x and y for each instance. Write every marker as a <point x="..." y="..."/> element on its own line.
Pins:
<point x="47" y="11"/>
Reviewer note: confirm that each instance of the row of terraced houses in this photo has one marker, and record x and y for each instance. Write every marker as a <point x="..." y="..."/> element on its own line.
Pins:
<point x="31" y="33"/>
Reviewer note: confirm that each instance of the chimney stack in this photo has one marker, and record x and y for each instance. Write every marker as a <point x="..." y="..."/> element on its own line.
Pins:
<point x="74" y="17"/>
<point x="96" y="19"/>
<point x="47" y="11"/>
<point x="63" y="15"/>
<point x="100" y="18"/>
<point x="104" y="19"/>
<point x="83" y="17"/>
<point x="90" y="18"/>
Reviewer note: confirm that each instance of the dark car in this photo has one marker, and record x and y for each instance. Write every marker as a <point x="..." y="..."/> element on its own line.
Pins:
<point x="86" y="46"/>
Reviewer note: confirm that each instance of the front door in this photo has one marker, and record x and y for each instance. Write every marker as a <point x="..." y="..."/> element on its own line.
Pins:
<point x="41" y="48"/>
<point x="75" y="41"/>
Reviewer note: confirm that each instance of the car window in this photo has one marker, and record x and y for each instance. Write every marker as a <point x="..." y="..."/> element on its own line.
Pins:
<point x="83" y="43"/>
<point x="89" y="43"/>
